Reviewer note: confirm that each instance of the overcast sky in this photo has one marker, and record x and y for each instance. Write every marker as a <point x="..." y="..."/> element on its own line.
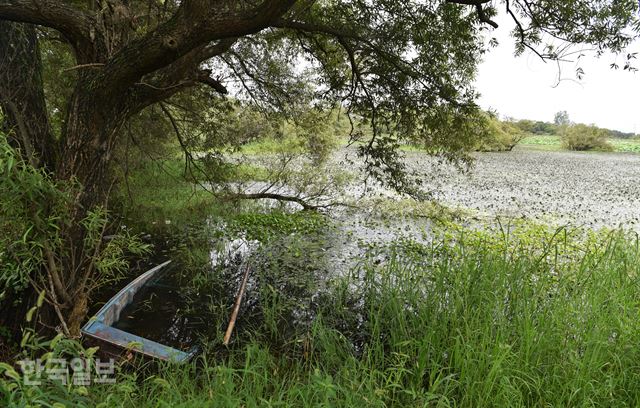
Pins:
<point x="523" y="87"/>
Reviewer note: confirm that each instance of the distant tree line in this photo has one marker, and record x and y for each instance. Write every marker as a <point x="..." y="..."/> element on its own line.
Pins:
<point x="536" y="127"/>
<point x="561" y="119"/>
<point x="504" y="135"/>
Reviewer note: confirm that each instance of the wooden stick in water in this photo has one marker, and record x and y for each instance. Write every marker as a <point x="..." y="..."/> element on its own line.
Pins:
<point x="236" y="307"/>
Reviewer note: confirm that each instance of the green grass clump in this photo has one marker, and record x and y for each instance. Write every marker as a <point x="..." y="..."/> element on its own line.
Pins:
<point x="264" y="226"/>
<point x="626" y="145"/>
<point x="478" y="325"/>
<point x="509" y="317"/>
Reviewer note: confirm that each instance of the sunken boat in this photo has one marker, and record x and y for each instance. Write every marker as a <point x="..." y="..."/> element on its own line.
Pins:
<point x="109" y="327"/>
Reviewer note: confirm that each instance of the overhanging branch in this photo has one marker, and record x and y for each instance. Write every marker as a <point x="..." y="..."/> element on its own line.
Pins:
<point x="274" y="196"/>
<point x="193" y="26"/>
<point x="213" y="83"/>
<point x="76" y="25"/>
<point x="482" y="15"/>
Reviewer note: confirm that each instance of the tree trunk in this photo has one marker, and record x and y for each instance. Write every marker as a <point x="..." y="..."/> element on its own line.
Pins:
<point x="81" y="153"/>
<point x="89" y="136"/>
<point x="22" y="93"/>
<point x="27" y="125"/>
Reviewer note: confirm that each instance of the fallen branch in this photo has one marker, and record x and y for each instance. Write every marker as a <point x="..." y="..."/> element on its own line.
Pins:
<point x="274" y="196"/>
<point x="236" y="307"/>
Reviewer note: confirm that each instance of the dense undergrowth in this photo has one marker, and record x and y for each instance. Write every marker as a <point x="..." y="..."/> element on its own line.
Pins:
<point x="515" y="316"/>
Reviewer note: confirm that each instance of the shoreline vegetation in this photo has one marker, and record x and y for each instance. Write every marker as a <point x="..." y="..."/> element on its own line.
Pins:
<point x="512" y="313"/>
<point x="517" y="316"/>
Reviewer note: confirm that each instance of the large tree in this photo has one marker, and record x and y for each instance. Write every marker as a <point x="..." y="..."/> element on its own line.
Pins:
<point x="403" y="67"/>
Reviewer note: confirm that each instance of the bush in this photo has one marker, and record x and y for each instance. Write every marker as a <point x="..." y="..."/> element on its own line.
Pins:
<point x="37" y="250"/>
<point x="500" y="136"/>
<point x="582" y="137"/>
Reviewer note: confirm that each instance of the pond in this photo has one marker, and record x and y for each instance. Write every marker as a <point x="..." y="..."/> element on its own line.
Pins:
<point x="191" y="304"/>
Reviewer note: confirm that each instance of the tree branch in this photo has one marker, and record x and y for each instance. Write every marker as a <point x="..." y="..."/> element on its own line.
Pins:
<point x="484" y="18"/>
<point x="216" y="49"/>
<point x="274" y="196"/>
<point x="522" y="33"/>
<point x="482" y="15"/>
<point x="74" y="24"/>
<point x="181" y="74"/>
<point x="195" y="24"/>
<point x="216" y="85"/>
<point x="54" y="275"/>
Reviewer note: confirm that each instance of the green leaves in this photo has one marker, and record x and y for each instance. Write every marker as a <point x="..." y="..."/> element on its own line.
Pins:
<point x="9" y="371"/>
<point x="265" y="227"/>
<point x="584" y="137"/>
<point x="41" y="297"/>
<point x="39" y="302"/>
<point x="32" y="206"/>
<point x="605" y="25"/>
<point x="30" y="313"/>
<point x="55" y="341"/>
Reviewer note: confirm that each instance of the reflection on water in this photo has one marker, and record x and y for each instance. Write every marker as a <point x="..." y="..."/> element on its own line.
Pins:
<point x="180" y="307"/>
<point x="160" y="312"/>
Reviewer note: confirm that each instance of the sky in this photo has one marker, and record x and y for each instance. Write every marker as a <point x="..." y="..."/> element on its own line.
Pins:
<point x="525" y="87"/>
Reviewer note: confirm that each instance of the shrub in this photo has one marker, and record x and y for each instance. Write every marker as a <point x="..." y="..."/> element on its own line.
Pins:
<point x="37" y="251"/>
<point x="582" y="137"/>
<point x="500" y="136"/>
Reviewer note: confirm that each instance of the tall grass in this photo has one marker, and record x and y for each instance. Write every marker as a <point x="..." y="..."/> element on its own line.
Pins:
<point x="487" y="327"/>
<point x="476" y="319"/>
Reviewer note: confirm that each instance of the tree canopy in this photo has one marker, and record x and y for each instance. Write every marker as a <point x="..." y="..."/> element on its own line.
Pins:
<point x="405" y="67"/>
<point x="561" y="118"/>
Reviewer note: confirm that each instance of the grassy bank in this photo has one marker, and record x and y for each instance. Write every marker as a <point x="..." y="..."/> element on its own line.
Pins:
<point x="553" y="143"/>
<point x="531" y="317"/>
